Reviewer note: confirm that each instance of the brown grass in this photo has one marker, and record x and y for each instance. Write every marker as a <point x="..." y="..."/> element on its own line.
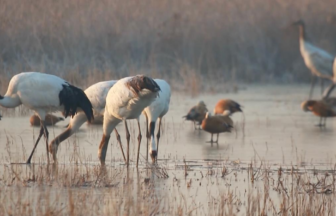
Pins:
<point x="220" y="41"/>
<point x="80" y="186"/>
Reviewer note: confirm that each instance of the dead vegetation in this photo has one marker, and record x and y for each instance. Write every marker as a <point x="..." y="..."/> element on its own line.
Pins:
<point x="182" y="41"/>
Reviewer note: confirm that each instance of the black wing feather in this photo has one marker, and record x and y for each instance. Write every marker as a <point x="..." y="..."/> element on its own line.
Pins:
<point x="72" y="98"/>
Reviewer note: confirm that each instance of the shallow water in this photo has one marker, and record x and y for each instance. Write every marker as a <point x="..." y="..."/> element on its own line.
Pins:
<point x="273" y="131"/>
<point x="276" y="130"/>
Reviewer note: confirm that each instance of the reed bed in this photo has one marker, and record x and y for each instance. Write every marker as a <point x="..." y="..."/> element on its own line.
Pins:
<point x="173" y="187"/>
<point x="185" y="41"/>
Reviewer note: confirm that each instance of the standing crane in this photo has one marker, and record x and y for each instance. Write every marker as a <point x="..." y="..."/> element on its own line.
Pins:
<point x="317" y="60"/>
<point x="126" y="100"/>
<point x="156" y="110"/>
<point x="45" y="93"/>
<point x="97" y="95"/>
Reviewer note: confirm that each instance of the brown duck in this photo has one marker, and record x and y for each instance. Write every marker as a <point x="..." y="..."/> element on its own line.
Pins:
<point x="49" y="120"/>
<point x="323" y="108"/>
<point x="227" y="107"/>
<point x="197" y="113"/>
<point x="216" y="124"/>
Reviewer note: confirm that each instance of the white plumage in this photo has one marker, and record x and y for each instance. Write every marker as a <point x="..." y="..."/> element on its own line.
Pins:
<point x="126" y="100"/>
<point x="318" y="61"/>
<point x="97" y="95"/>
<point x="156" y="110"/>
<point x="45" y="93"/>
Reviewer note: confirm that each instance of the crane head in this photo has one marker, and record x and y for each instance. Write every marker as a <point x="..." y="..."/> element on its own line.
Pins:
<point x="153" y="155"/>
<point x="298" y="23"/>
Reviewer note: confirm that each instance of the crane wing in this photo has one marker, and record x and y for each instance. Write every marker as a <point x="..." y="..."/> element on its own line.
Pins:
<point x="323" y="62"/>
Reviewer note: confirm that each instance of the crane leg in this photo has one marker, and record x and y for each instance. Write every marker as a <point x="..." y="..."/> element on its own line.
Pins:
<point x="46" y="135"/>
<point x="139" y="142"/>
<point x="148" y="137"/>
<point x="158" y="135"/>
<point x="327" y="92"/>
<point x="103" y="148"/>
<point x="322" y="85"/>
<point x="37" y="141"/>
<point x="119" y="141"/>
<point x="128" y="136"/>
<point x="313" y="80"/>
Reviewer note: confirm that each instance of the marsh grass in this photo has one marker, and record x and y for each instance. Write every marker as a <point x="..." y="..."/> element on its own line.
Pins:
<point x="195" y="45"/>
<point x="214" y="187"/>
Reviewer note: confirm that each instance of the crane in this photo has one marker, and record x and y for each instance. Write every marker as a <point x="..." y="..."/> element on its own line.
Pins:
<point x="156" y="110"/>
<point x="126" y="100"/>
<point x="45" y="93"/>
<point x="317" y="60"/>
<point x="97" y="95"/>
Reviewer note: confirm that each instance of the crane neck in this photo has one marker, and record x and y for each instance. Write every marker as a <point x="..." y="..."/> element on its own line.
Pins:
<point x="9" y="102"/>
<point x="303" y="35"/>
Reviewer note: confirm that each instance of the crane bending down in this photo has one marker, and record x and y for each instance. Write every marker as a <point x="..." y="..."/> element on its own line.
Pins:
<point x="156" y="110"/>
<point x="97" y="95"/>
<point x="45" y="93"/>
<point x="317" y="60"/>
<point x="126" y="100"/>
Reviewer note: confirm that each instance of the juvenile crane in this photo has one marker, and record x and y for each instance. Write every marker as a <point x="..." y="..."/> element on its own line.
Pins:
<point x="197" y="113"/>
<point x="324" y="108"/>
<point x="216" y="124"/>
<point x="156" y="110"/>
<point x="126" y="100"/>
<point x="317" y="60"/>
<point x="97" y="95"/>
<point x="45" y="93"/>
<point x="48" y="121"/>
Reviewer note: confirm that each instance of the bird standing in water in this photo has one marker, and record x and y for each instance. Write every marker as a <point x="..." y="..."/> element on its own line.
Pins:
<point x="126" y="100"/>
<point x="97" y="95"/>
<point x="197" y="114"/>
<point x="216" y="124"/>
<point x="156" y="110"/>
<point x="317" y="60"/>
<point x="49" y="120"/>
<point x="227" y="107"/>
<point x="323" y="108"/>
<point x="45" y="93"/>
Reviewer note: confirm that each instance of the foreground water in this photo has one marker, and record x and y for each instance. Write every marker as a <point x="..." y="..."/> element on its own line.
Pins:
<point x="273" y="132"/>
<point x="275" y="129"/>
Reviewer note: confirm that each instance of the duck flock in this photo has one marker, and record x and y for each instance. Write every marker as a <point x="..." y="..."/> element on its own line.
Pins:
<point x="111" y="102"/>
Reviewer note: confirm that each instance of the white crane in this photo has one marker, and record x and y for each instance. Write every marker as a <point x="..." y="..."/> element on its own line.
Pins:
<point x="97" y="95"/>
<point x="156" y="110"/>
<point x="317" y="60"/>
<point x="45" y="93"/>
<point x="126" y="100"/>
